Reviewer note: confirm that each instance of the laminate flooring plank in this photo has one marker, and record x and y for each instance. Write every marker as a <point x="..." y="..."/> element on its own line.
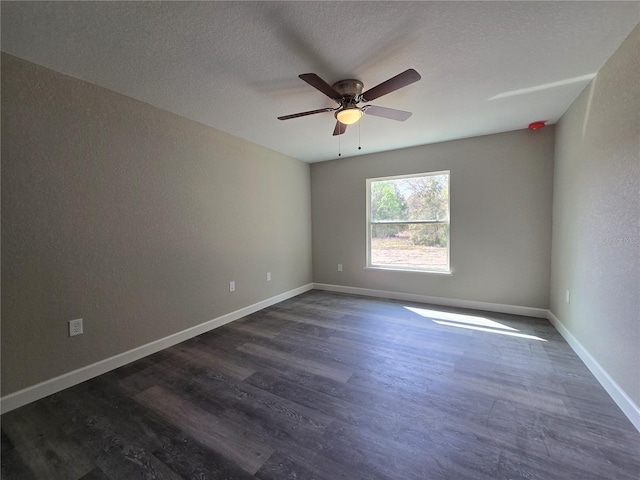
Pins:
<point x="191" y="460"/>
<point x="311" y="351"/>
<point x="260" y="402"/>
<point x="520" y="435"/>
<point x="13" y="466"/>
<point x="281" y="467"/>
<point x="383" y="362"/>
<point x="359" y="406"/>
<point x="377" y="418"/>
<point x="126" y="439"/>
<point x="95" y="474"/>
<point x="232" y="366"/>
<point x="331" y="406"/>
<point x="56" y="457"/>
<point x="352" y="354"/>
<point x="520" y="393"/>
<point x="173" y="445"/>
<point x="176" y="379"/>
<point x="43" y="445"/>
<point x="26" y="425"/>
<point x="265" y="417"/>
<point x="393" y="459"/>
<point x="256" y="330"/>
<point x="285" y="420"/>
<point x="195" y="464"/>
<point x="314" y="319"/>
<point x="258" y="412"/>
<point x="324" y="370"/>
<point x="258" y="324"/>
<point x="373" y="341"/>
<point x="305" y="447"/>
<point x="337" y="344"/>
<point x="395" y="338"/>
<point x="114" y="434"/>
<point x="206" y="428"/>
<point x="167" y="443"/>
<point x="303" y="330"/>
<point x="588" y="401"/>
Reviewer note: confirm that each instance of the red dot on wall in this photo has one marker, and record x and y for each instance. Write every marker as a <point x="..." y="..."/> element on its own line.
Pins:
<point x="536" y="125"/>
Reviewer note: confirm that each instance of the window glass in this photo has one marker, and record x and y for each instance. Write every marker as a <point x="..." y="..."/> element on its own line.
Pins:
<point x="408" y="222"/>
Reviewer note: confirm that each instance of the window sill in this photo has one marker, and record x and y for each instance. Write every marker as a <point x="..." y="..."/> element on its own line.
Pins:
<point x="411" y="270"/>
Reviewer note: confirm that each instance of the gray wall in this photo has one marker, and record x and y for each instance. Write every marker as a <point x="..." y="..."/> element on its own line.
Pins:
<point x="133" y="219"/>
<point x="501" y="194"/>
<point x="596" y="218"/>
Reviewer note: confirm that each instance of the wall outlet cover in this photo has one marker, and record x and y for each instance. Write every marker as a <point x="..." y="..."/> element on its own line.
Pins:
<point x="75" y="327"/>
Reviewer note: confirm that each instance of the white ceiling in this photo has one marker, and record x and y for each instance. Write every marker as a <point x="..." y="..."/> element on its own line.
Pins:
<point x="486" y="67"/>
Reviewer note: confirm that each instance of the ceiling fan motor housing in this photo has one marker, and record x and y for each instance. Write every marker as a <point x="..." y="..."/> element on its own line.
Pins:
<point x="348" y="88"/>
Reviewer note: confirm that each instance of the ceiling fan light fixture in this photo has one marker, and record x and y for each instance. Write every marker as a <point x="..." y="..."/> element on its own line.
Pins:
<point x="349" y="116"/>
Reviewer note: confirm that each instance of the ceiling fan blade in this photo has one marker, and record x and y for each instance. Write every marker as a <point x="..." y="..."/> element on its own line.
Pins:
<point x="316" y="82"/>
<point x="304" y="114"/>
<point x="401" y="80"/>
<point x="340" y="129"/>
<point x="384" y="112"/>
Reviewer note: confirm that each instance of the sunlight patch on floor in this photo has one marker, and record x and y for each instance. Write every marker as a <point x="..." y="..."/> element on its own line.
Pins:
<point x="471" y="322"/>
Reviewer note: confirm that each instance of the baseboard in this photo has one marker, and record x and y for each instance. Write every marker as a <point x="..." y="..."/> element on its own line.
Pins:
<point x="54" y="385"/>
<point x="628" y="407"/>
<point x="444" y="301"/>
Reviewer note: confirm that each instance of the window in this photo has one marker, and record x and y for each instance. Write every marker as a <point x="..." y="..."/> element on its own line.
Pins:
<point x="408" y="222"/>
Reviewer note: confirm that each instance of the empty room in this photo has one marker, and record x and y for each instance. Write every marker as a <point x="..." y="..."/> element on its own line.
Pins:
<point x="325" y="240"/>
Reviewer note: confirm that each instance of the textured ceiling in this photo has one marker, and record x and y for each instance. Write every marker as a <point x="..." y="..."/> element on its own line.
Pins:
<point x="486" y="67"/>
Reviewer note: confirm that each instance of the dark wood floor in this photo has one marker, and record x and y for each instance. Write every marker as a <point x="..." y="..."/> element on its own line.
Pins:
<point x="326" y="386"/>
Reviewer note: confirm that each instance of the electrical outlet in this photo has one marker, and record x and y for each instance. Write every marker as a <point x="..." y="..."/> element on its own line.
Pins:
<point x="75" y="327"/>
<point x="268" y="276"/>
<point x="339" y="267"/>
<point x="232" y="286"/>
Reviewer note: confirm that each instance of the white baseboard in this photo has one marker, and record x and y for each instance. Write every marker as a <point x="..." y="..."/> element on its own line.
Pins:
<point x="54" y="385"/>
<point x="628" y="407"/>
<point x="447" y="302"/>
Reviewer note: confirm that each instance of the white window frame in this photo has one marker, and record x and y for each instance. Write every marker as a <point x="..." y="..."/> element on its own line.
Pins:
<point x="446" y="221"/>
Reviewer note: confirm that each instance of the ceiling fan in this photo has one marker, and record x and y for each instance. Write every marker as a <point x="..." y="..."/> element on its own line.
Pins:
<point x="348" y="94"/>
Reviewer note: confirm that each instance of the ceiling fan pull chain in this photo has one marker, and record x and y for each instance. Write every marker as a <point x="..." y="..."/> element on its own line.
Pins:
<point x="359" y="147"/>
<point x="339" y="153"/>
